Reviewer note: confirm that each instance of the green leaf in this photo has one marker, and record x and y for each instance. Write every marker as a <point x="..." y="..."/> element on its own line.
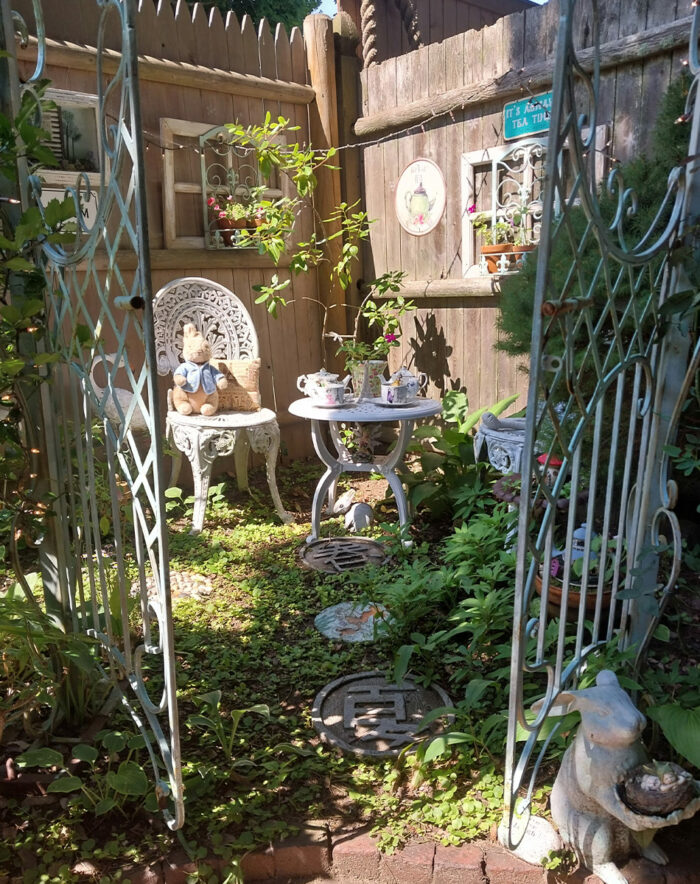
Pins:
<point x="40" y="758"/>
<point x="475" y="690"/>
<point x="84" y="752"/>
<point x="420" y="493"/>
<point x="18" y="264"/>
<point x="681" y="728"/>
<point x="441" y="744"/>
<point x="403" y="658"/>
<point x="172" y="492"/>
<point x="211" y="699"/>
<point x="129" y="779"/>
<point x="104" y="806"/>
<point x="113" y="741"/>
<point x="662" y="633"/>
<point x="65" y="784"/>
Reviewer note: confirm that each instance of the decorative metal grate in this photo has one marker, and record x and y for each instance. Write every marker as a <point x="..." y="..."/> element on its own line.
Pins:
<point x="338" y="554"/>
<point x="606" y="387"/>
<point x="100" y="412"/>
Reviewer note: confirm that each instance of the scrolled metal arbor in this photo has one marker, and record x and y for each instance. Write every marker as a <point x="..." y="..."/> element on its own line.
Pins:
<point x="606" y="389"/>
<point x="99" y="317"/>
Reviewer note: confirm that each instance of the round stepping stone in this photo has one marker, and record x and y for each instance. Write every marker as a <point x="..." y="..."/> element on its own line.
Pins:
<point x="183" y="585"/>
<point x="367" y="715"/>
<point x="350" y="622"/>
<point x="338" y="554"/>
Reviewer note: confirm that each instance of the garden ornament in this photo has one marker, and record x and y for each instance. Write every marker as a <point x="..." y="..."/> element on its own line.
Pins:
<point x="111" y="397"/>
<point x="552" y="466"/>
<point x="586" y="800"/>
<point x="196" y="381"/>
<point x="359" y="516"/>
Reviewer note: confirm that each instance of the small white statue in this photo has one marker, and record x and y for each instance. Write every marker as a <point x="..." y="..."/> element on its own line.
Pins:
<point x="586" y="805"/>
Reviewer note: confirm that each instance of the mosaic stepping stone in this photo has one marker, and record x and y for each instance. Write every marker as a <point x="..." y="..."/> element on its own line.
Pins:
<point x="350" y="622"/>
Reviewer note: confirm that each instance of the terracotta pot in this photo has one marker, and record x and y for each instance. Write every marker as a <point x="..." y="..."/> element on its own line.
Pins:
<point x="519" y="253"/>
<point x="493" y="255"/>
<point x="554" y="594"/>
<point x="227" y="226"/>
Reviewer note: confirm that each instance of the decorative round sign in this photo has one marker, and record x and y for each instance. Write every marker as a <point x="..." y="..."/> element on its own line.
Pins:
<point x="420" y="197"/>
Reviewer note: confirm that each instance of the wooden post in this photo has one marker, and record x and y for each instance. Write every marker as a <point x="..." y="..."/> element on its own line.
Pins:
<point x="347" y="71"/>
<point x="323" y="131"/>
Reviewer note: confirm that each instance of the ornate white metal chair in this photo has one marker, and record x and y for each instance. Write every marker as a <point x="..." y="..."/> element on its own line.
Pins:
<point x="226" y="324"/>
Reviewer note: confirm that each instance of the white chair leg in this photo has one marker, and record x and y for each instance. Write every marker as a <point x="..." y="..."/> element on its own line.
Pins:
<point x="176" y="459"/>
<point x="240" y="453"/>
<point x="265" y="439"/>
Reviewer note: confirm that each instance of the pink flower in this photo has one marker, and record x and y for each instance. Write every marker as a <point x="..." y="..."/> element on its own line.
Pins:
<point x="211" y="201"/>
<point x="390" y="337"/>
<point x="222" y="214"/>
<point x="471" y="209"/>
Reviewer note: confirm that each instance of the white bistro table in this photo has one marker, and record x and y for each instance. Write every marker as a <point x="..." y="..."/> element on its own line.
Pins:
<point x="364" y="412"/>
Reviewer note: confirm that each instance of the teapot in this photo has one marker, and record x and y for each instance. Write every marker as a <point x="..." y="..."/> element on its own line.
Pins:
<point x="403" y="387"/>
<point x="313" y="384"/>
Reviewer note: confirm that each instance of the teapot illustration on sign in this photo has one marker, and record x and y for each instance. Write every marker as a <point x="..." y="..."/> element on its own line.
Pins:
<point x="419" y="204"/>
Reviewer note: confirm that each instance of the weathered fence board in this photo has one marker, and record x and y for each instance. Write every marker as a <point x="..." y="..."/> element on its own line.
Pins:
<point x="469" y="77"/>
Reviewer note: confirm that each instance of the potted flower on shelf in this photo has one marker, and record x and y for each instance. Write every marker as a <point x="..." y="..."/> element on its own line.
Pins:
<point x="228" y="215"/>
<point x="496" y="242"/>
<point x="522" y="242"/>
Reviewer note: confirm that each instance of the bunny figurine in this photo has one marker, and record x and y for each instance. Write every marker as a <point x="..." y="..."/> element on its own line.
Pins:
<point x="586" y="804"/>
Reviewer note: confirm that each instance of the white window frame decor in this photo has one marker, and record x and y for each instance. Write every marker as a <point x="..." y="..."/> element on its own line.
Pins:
<point x="513" y="191"/>
<point x="171" y="130"/>
<point x="54" y="182"/>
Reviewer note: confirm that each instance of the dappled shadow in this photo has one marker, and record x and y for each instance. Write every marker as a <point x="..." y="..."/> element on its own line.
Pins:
<point x="431" y="352"/>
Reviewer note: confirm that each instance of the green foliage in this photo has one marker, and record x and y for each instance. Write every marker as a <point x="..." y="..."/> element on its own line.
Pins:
<point x="647" y="176"/>
<point x="49" y="677"/>
<point x="681" y="728"/>
<point x="110" y="781"/>
<point x="346" y="223"/>
<point x="215" y="721"/>
<point x="290" y="13"/>
<point x="449" y="480"/>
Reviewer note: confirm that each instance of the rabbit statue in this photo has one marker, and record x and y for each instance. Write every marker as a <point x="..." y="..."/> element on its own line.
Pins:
<point x="585" y="802"/>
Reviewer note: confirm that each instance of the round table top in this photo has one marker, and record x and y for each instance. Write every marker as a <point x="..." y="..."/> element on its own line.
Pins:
<point x="366" y="411"/>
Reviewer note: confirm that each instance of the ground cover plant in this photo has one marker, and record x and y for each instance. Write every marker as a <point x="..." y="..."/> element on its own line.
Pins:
<point x="249" y="665"/>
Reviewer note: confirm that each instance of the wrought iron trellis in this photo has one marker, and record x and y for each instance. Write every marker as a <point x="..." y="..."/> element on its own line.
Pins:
<point x="108" y="438"/>
<point x="606" y="389"/>
<point x="230" y="172"/>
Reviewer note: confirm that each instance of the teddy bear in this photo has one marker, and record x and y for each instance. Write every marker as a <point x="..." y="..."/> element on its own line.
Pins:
<point x="196" y="381"/>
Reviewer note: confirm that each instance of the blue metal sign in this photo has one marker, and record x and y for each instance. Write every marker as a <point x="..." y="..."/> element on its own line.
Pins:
<point x="528" y="116"/>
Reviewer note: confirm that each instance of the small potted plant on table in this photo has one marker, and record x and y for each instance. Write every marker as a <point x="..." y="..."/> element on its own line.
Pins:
<point x="366" y="360"/>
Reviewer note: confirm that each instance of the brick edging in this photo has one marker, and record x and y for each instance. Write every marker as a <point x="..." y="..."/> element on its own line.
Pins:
<point x="317" y="853"/>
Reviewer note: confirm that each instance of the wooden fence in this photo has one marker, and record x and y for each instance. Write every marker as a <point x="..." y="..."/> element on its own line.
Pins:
<point x="198" y="71"/>
<point x="440" y="101"/>
<point x="452" y="93"/>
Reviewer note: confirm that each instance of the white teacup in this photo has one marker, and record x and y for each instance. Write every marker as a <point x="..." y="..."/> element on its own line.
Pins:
<point x="329" y="395"/>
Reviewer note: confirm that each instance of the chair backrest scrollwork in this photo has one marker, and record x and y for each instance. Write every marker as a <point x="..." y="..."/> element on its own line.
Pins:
<point x="216" y="312"/>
